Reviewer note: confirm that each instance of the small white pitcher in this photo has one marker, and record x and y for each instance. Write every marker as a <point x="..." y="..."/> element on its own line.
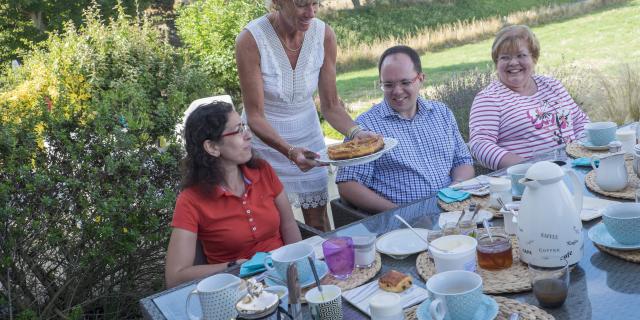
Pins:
<point x="611" y="175"/>
<point x="218" y="295"/>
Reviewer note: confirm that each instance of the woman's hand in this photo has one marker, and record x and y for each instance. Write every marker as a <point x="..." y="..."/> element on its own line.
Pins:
<point x="304" y="158"/>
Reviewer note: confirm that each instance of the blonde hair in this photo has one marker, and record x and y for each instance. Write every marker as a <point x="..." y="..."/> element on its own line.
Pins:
<point x="509" y="38"/>
<point x="271" y="6"/>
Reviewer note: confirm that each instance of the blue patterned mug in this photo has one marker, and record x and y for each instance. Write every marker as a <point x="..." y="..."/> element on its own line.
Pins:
<point x="454" y="295"/>
<point x="218" y="295"/>
<point x="326" y="305"/>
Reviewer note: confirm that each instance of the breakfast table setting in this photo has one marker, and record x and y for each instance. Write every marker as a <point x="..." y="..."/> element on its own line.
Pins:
<point x="552" y="238"/>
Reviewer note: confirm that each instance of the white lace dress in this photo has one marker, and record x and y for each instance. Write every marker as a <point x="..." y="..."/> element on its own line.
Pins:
<point x="289" y="108"/>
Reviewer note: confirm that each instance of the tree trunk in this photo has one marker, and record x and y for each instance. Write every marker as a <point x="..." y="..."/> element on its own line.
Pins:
<point x="36" y="18"/>
<point x="356" y="3"/>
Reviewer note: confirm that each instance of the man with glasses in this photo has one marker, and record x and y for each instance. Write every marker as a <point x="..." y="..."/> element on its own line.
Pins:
<point x="430" y="154"/>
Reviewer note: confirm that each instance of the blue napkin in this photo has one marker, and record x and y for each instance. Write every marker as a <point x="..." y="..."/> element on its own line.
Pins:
<point x="449" y="195"/>
<point x="254" y="265"/>
<point x="583" y="162"/>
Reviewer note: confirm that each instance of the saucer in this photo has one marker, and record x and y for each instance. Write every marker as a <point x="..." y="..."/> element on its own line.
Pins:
<point x="600" y="235"/>
<point x="321" y="266"/>
<point x="591" y="146"/>
<point x="487" y="311"/>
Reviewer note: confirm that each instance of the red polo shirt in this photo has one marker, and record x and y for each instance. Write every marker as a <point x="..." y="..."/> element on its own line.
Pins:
<point x="231" y="227"/>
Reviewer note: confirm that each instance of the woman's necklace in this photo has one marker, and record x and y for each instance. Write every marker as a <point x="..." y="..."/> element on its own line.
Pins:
<point x="276" y="27"/>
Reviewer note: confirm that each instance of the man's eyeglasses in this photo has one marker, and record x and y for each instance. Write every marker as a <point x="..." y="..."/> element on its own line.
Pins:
<point x="242" y="128"/>
<point x="404" y="83"/>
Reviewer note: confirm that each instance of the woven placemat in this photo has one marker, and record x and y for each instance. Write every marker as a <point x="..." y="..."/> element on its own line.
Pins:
<point x="628" y="255"/>
<point x="507" y="307"/>
<point x="575" y="150"/>
<point x="459" y="205"/>
<point x="510" y="280"/>
<point x="357" y="278"/>
<point x="626" y="193"/>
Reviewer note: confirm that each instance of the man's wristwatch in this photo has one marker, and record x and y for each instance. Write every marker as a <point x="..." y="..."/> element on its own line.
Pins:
<point x="231" y="264"/>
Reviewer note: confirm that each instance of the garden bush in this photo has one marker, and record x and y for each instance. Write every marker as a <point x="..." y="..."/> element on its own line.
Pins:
<point x="208" y="29"/>
<point x="86" y="192"/>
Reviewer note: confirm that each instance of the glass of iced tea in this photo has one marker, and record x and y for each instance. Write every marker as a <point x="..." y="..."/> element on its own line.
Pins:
<point x="494" y="253"/>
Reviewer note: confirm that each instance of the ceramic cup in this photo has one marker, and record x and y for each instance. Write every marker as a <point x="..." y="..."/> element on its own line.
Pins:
<point x="454" y="295"/>
<point x="601" y="133"/>
<point x="296" y="253"/>
<point x="325" y="306"/>
<point x="628" y="139"/>
<point x="365" y="250"/>
<point x="622" y="221"/>
<point x="283" y="295"/>
<point x="218" y="295"/>
<point x="386" y="306"/>
<point x="460" y="254"/>
<point x="517" y="172"/>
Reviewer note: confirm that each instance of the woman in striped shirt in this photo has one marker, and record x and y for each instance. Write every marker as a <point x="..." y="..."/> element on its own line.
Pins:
<point x="520" y="113"/>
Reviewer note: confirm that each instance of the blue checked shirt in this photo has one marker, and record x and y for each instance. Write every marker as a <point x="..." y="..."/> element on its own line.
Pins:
<point x="429" y="147"/>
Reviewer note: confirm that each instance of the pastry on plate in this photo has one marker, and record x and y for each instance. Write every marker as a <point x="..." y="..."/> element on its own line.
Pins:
<point x="355" y="148"/>
<point x="395" y="281"/>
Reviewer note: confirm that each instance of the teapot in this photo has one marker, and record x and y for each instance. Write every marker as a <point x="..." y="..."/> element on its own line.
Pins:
<point x="611" y="175"/>
<point x="549" y="226"/>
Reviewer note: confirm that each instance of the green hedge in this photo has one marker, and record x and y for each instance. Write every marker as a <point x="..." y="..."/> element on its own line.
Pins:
<point x="86" y="193"/>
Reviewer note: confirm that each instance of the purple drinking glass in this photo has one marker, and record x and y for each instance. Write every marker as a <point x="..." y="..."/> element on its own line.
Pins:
<point x="339" y="256"/>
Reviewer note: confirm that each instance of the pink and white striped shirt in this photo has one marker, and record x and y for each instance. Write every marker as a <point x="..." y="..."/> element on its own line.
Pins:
<point x="503" y="121"/>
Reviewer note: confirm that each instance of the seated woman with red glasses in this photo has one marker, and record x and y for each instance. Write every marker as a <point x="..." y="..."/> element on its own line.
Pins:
<point x="232" y="202"/>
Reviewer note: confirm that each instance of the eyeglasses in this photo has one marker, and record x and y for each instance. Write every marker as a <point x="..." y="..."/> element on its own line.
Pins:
<point x="505" y="58"/>
<point x="242" y="128"/>
<point x="404" y="83"/>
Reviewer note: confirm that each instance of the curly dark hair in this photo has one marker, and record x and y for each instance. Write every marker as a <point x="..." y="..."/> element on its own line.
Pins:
<point x="199" y="168"/>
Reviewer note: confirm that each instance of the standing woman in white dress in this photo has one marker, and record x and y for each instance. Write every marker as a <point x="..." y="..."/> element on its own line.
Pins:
<point x="283" y="57"/>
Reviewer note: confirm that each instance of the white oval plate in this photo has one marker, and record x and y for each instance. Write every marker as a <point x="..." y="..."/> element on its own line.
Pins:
<point x="454" y="215"/>
<point x="402" y="242"/>
<point x="389" y="143"/>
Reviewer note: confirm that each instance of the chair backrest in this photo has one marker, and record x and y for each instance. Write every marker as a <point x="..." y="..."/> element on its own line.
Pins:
<point x="344" y="213"/>
<point x="194" y="105"/>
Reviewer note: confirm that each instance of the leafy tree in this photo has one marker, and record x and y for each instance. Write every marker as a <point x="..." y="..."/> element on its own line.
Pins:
<point x="209" y="28"/>
<point x="25" y="22"/>
<point x="86" y="191"/>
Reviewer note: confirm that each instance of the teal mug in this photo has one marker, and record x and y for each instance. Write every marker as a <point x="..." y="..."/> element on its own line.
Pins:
<point x="454" y="295"/>
<point x="517" y="172"/>
<point x="297" y="253"/>
<point x="600" y="133"/>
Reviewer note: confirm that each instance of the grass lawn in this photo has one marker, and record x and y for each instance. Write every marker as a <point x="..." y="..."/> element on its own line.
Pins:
<point x="598" y="40"/>
<point x="385" y="21"/>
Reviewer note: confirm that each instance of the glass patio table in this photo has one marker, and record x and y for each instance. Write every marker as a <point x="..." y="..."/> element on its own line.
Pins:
<point x="602" y="286"/>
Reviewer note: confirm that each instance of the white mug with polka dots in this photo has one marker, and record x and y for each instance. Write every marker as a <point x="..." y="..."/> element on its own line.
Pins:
<point x="218" y="295"/>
